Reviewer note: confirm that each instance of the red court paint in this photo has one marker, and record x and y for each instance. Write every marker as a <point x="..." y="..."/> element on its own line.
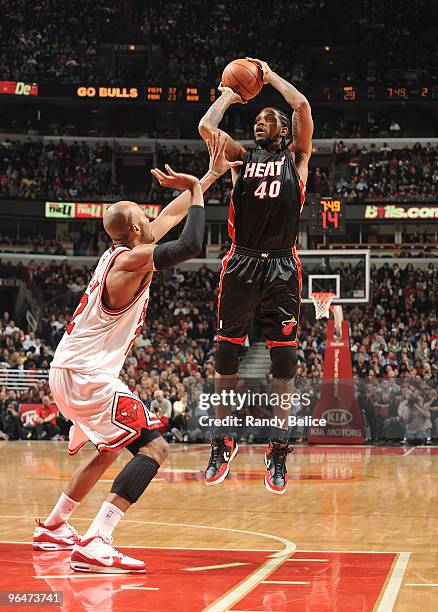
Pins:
<point x="346" y="581"/>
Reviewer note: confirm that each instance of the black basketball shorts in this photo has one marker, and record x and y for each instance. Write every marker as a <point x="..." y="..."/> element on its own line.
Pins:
<point x="265" y="286"/>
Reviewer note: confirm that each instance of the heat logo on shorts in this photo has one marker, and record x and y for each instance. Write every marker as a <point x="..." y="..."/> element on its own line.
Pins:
<point x="288" y="326"/>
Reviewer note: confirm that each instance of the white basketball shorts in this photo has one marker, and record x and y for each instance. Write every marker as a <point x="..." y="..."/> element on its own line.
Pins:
<point x="102" y="408"/>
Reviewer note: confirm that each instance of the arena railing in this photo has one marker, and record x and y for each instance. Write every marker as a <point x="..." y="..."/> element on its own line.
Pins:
<point x="21" y="380"/>
<point x="215" y="263"/>
<point x="392" y="248"/>
<point x="149" y="145"/>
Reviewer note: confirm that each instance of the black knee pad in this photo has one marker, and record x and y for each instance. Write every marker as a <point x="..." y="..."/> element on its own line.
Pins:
<point x="135" y="477"/>
<point x="284" y="361"/>
<point x="226" y="360"/>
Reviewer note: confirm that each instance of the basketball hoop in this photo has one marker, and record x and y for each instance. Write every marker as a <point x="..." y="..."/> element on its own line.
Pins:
<point x="322" y="301"/>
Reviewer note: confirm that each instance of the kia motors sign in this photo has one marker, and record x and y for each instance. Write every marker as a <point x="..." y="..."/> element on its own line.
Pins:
<point x="337" y="404"/>
<point x="337" y="416"/>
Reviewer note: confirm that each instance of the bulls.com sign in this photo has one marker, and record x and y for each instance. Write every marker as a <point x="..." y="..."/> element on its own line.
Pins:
<point x="393" y="212"/>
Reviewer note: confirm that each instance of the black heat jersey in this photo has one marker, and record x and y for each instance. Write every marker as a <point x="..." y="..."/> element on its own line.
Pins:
<point x="267" y="201"/>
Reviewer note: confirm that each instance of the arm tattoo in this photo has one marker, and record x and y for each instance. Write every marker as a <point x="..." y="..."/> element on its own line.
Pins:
<point x="216" y="112"/>
<point x="295" y="131"/>
<point x="295" y="125"/>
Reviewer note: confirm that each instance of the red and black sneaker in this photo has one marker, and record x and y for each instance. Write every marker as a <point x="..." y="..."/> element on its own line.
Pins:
<point x="276" y="471"/>
<point x="223" y="451"/>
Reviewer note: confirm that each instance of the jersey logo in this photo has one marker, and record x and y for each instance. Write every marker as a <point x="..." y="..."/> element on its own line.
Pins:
<point x="131" y="413"/>
<point x="288" y="326"/>
<point x="262" y="169"/>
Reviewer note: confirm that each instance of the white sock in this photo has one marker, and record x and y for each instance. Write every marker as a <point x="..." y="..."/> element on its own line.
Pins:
<point x="106" y="521"/>
<point x="62" y="511"/>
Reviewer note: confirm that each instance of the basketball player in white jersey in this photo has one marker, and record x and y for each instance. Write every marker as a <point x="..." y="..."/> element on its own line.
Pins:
<point x="85" y="369"/>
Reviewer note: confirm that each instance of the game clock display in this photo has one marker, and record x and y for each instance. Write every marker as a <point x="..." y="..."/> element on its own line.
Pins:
<point x="327" y="216"/>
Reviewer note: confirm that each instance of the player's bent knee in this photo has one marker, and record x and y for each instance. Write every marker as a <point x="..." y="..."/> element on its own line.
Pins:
<point x="135" y="477"/>
<point x="226" y="358"/>
<point x="284" y="361"/>
<point x="158" y="449"/>
<point x="146" y="437"/>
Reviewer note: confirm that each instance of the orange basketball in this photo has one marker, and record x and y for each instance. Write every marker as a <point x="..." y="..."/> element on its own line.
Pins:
<point x="244" y="77"/>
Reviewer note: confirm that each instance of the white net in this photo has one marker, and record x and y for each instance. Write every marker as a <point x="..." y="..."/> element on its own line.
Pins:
<point x="322" y="302"/>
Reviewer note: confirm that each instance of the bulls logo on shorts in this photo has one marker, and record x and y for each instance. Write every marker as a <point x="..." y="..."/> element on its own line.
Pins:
<point x="130" y="413"/>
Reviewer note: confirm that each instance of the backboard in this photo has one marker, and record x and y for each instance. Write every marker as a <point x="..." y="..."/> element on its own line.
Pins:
<point x="344" y="272"/>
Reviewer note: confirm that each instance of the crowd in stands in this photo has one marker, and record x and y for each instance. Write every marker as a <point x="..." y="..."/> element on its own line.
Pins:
<point x="55" y="40"/>
<point x="81" y="241"/>
<point x="33" y="170"/>
<point x="382" y="173"/>
<point x="184" y="41"/>
<point x="377" y="39"/>
<point x="394" y="339"/>
<point x="56" y="170"/>
<point x="27" y="243"/>
<point x="194" y="162"/>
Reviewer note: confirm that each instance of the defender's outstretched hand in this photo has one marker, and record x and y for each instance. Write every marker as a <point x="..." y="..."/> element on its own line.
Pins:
<point x="219" y="164"/>
<point x="176" y="180"/>
<point x="263" y="67"/>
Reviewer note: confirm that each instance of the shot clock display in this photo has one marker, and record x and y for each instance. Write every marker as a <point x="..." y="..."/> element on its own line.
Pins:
<point x="406" y="93"/>
<point x="327" y="216"/>
<point x="367" y="93"/>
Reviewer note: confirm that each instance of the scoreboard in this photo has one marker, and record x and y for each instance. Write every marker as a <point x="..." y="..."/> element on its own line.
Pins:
<point x="194" y="93"/>
<point x="327" y="216"/>
<point x="147" y="93"/>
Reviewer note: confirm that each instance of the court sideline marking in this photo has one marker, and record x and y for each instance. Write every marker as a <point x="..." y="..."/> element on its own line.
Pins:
<point x="393" y="585"/>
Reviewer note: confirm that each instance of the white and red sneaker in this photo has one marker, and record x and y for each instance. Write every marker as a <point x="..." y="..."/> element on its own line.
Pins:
<point x="96" y="554"/>
<point x="61" y="536"/>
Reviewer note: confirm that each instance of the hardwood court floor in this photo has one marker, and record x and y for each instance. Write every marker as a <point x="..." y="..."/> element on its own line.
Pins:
<point x="356" y="531"/>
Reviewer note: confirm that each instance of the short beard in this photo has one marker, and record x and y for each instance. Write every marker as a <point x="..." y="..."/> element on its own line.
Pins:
<point x="264" y="142"/>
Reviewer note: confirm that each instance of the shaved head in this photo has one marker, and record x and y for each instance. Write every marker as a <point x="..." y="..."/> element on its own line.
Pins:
<point x="125" y="221"/>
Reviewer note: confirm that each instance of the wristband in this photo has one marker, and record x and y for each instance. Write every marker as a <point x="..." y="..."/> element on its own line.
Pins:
<point x="216" y="174"/>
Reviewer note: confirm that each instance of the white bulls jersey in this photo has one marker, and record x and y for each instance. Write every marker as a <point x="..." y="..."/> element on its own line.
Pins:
<point x="97" y="338"/>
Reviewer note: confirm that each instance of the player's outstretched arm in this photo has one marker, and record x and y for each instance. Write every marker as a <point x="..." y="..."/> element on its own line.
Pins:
<point x="302" y="122"/>
<point x="209" y="123"/>
<point x="144" y="258"/>
<point x="178" y="208"/>
<point x="147" y="257"/>
<point x="175" y="212"/>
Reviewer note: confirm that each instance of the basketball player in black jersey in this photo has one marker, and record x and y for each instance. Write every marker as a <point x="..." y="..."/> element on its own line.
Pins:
<point x="261" y="274"/>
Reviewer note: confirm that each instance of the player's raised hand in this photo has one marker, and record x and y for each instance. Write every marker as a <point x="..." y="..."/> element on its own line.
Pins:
<point x="263" y="67"/>
<point x="227" y="91"/>
<point x="219" y="164"/>
<point x="175" y="180"/>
